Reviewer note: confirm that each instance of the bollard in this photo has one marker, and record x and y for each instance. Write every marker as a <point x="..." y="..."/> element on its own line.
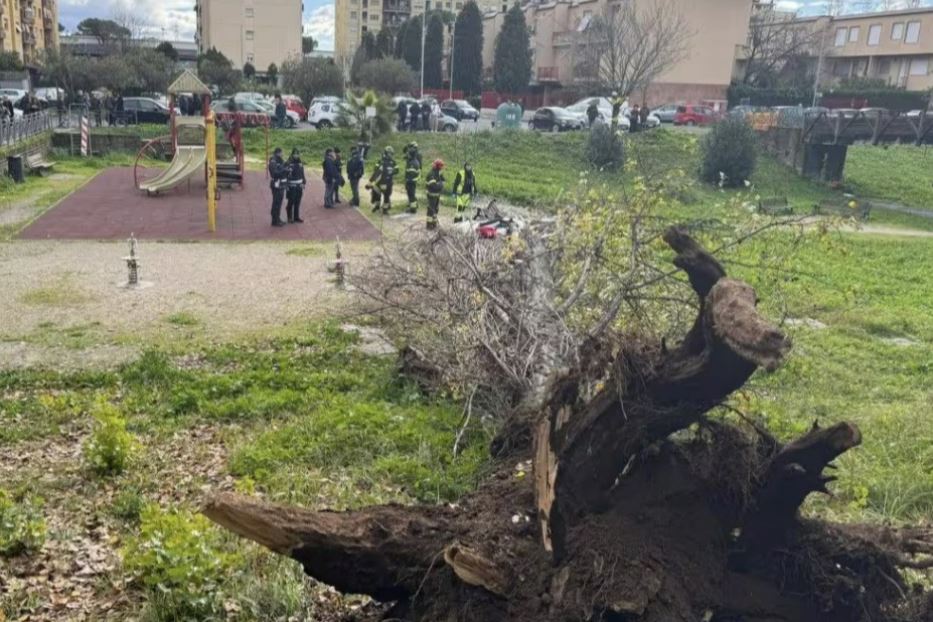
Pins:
<point x="340" y="268"/>
<point x="132" y="264"/>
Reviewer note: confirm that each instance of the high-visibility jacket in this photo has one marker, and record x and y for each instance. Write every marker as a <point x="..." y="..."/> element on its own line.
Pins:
<point x="465" y="182"/>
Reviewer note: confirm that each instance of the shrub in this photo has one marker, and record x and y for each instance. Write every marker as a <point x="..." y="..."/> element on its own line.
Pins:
<point x="604" y="148"/>
<point x="22" y="527"/>
<point x="110" y="446"/>
<point x="178" y="558"/>
<point x="128" y="504"/>
<point x="728" y="152"/>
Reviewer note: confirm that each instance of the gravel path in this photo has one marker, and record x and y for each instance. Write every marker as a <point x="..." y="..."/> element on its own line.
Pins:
<point x="62" y="304"/>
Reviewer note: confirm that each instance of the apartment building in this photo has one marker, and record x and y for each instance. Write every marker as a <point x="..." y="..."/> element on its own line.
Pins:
<point x="355" y="17"/>
<point x="259" y="32"/>
<point x="719" y="27"/>
<point x="28" y="27"/>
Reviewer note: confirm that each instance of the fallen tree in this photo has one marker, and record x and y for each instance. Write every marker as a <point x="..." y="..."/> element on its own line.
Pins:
<point x="638" y="506"/>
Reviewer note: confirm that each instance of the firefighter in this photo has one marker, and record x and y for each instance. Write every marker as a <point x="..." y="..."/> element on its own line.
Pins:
<point x="296" y="186"/>
<point x="412" y="174"/>
<point x="277" y="179"/>
<point x="380" y="183"/>
<point x="435" y="186"/>
<point x="355" y="171"/>
<point x="464" y="189"/>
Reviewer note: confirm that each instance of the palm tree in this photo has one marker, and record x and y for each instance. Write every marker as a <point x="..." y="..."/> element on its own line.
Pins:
<point x="353" y="114"/>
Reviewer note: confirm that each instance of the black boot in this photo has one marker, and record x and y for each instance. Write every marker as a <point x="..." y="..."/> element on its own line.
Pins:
<point x="376" y="207"/>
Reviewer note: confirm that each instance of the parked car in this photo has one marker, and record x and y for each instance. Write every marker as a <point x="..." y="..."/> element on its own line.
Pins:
<point x="554" y="119"/>
<point x="50" y="93"/>
<point x="459" y="109"/>
<point x="250" y="95"/>
<point x="291" y="117"/>
<point x="324" y="111"/>
<point x="665" y="113"/>
<point x="145" y="110"/>
<point x="445" y="123"/>
<point x="294" y="103"/>
<point x="251" y="108"/>
<point x="691" y="114"/>
<point x="14" y="95"/>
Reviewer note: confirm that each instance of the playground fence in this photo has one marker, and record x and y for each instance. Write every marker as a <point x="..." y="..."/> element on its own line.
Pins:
<point x="15" y="131"/>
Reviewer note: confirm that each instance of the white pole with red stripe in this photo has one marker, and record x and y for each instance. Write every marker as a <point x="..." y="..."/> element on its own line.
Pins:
<point x="85" y="136"/>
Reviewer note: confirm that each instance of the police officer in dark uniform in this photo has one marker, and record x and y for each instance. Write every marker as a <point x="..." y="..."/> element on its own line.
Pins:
<point x="278" y="177"/>
<point x="296" y="186"/>
<point x="339" y="162"/>
<point x="355" y="171"/>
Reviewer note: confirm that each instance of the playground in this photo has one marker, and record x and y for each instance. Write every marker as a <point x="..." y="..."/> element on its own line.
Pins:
<point x="192" y="185"/>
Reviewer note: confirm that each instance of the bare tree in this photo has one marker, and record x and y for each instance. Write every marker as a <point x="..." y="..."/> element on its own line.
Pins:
<point x="775" y="40"/>
<point x="134" y="18"/>
<point x="628" y="47"/>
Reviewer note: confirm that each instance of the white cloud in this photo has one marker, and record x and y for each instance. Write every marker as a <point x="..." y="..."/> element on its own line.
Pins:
<point x="163" y="19"/>
<point x="320" y="25"/>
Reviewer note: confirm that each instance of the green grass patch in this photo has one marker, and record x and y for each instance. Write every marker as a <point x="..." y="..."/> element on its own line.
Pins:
<point x="899" y="173"/>
<point x="183" y="318"/>
<point x="62" y="293"/>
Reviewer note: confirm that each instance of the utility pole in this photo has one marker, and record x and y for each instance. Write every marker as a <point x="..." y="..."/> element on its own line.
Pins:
<point x="819" y="61"/>
<point x="453" y="49"/>
<point x="424" y="20"/>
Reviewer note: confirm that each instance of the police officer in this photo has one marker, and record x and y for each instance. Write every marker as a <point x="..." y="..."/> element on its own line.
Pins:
<point x="412" y="174"/>
<point x="278" y="175"/>
<point x="435" y="186"/>
<point x="355" y="171"/>
<point x="340" y="181"/>
<point x="296" y="186"/>
<point x="464" y="189"/>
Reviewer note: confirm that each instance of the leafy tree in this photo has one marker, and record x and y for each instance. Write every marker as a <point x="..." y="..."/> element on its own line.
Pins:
<point x="10" y="61"/>
<point x="411" y="48"/>
<point x="308" y="44"/>
<point x="512" y="60"/>
<point x="434" y="52"/>
<point x="467" y="74"/>
<point x="366" y="52"/>
<point x="215" y="68"/>
<point x="729" y="152"/>
<point x="604" y="149"/>
<point x="387" y="75"/>
<point x="104" y="30"/>
<point x="272" y="73"/>
<point x="249" y="71"/>
<point x="400" y="40"/>
<point x="385" y="46"/>
<point x="353" y="114"/>
<point x="308" y="77"/>
<point x="168" y="50"/>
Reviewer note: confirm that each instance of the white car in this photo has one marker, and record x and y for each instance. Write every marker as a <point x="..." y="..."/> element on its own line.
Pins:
<point x="14" y="95"/>
<point x="50" y="93"/>
<point x="324" y="111"/>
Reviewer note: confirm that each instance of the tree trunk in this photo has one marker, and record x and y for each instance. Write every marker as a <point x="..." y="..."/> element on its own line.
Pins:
<point x="620" y="522"/>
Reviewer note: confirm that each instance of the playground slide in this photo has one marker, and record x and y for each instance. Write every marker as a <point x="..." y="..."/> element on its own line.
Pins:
<point x="188" y="160"/>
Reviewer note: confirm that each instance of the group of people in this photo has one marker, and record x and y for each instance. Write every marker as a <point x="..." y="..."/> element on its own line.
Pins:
<point x="637" y="115"/>
<point x="417" y="116"/>
<point x="287" y="181"/>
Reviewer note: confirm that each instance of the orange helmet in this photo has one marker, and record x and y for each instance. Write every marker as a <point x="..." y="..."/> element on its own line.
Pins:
<point x="438" y="164"/>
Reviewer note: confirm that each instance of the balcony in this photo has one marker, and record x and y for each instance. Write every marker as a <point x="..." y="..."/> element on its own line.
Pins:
<point x="563" y="38"/>
<point x="547" y="74"/>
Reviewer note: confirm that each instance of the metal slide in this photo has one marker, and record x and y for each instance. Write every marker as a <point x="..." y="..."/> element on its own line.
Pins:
<point x="188" y="160"/>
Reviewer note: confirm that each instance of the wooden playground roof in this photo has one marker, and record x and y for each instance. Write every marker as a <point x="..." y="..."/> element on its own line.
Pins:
<point x="187" y="82"/>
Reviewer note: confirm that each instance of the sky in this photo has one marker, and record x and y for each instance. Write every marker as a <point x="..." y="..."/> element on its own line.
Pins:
<point x="175" y="19"/>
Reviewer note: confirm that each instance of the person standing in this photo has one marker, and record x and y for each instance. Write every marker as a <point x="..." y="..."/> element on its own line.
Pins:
<point x="617" y="103"/>
<point x="278" y="176"/>
<point x="355" y="171"/>
<point x="592" y="112"/>
<point x="402" y="111"/>
<point x="296" y="187"/>
<point x="6" y="109"/>
<point x="634" y="119"/>
<point x="412" y="174"/>
<point x="426" y="115"/>
<point x="464" y="189"/>
<point x="340" y="181"/>
<point x="643" y="113"/>
<point x="380" y="183"/>
<point x="414" y="112"/>
<point x="280" y="111"/>
<point x="331" y="177"/>
<point x="97" y="105"/>
<point x="435" y="187"/>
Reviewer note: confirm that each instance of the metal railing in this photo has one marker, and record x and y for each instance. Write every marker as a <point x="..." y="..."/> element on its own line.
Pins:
<point x="13" y="131"/>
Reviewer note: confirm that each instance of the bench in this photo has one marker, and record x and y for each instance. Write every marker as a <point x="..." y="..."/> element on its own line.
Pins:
<point x="849" y="207"/>
<point x="35" y="161"/>
<point x="775" y="206"/>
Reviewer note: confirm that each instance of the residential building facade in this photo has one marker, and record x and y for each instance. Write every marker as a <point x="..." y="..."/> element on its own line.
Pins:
<point x="703" y="73"/>
<point x="259" y="32"/>
<point x="28" y="27"/>
<point x="355" y="17"/>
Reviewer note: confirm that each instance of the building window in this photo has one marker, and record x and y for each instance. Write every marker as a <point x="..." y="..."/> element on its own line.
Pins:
<point x="250" y="12"/>
<point x="919" y="67"/>
<point x="913" y="32"/>
<point x="874" y="34"/>
<point x="459" y="5"/>
<point x="374" y="18"/>
<point x="854" y="33"/>
<point x="352" y="14"/>
<point x="884" y="67"/>
<point x="249" y="58"/>
<point x="363" y="28"/>
<point x="842" y="68"/>
<point x="841" y="37"/>
<point x="249" y="35"/>
<point x="897" y="31"/>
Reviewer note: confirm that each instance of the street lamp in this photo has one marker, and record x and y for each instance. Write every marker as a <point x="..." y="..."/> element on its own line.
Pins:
<point x="424" y="20"/>
<point x="453" y="48"/>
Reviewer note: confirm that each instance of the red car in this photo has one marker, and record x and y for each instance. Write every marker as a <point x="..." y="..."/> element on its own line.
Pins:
<point x="294" y="103"/>
<point x="692" y="114"/>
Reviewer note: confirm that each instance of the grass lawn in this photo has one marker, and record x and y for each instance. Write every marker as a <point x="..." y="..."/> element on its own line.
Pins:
<point x="899" y="173"/>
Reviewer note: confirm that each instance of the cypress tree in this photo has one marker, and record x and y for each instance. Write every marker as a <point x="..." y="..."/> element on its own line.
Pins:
<point x="411" y="50"/>
<point x="512" y="62"/>
<point x="384" y="43"/>
<point x="434" y="52"/>
<point x="400" y="40"/>
<point x="468" y="50"/>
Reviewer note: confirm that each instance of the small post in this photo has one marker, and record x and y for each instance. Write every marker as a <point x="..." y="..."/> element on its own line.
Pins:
<point x="340" y="267"/>
<point x="132" y="264"/>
